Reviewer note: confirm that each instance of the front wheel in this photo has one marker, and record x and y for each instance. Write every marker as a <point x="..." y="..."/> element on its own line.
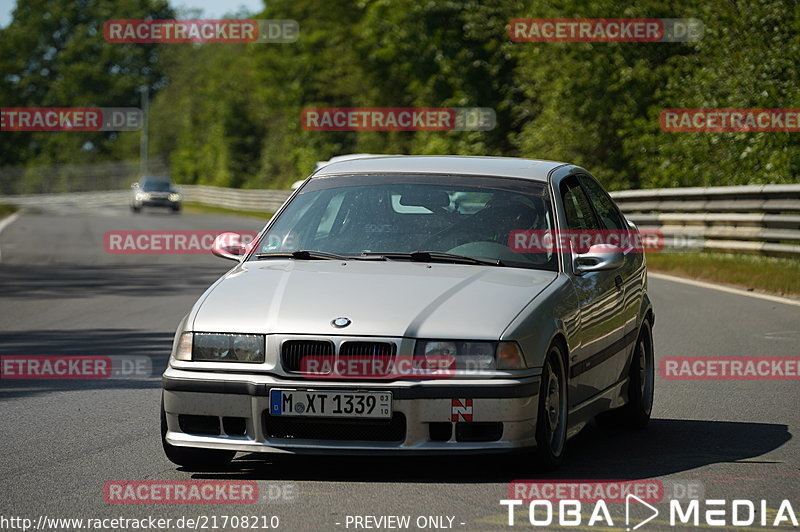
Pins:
<point x="190" y="457"/>
<point x="551" y="422"/>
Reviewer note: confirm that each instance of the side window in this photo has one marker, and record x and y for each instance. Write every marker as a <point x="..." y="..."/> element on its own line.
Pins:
<point x="608" y="212"/>
<point x="576" y="206"/>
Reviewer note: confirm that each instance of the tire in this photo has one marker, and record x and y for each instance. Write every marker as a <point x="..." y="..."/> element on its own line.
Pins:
<point x="190" y="457"/>
<point x="641" y="380"/>
<point x="176" y="208"/>
<point x="136" y="210"/>
<point x="551" y="422"/>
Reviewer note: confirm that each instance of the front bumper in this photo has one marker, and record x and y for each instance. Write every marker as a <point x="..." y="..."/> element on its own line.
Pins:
<point x="506" y="408"/>
<point x="160" y="202"/>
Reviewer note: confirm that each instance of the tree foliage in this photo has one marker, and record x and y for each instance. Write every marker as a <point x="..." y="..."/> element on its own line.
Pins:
<point x="229" y="115"/>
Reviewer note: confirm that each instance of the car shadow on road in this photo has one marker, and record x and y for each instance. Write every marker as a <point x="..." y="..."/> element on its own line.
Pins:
<point x="145" y="354"/>
<point x="54" y="281"/>
<point x="667" y="446"/>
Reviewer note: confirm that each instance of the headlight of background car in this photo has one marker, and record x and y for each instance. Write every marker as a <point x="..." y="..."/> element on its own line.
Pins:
<point x="174" y="197"/>
<point x="208" y="347"/>
<point x="472" y="355"/>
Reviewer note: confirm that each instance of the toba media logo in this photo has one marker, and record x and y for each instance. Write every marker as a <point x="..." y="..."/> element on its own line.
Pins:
<point x="585" y="503"/>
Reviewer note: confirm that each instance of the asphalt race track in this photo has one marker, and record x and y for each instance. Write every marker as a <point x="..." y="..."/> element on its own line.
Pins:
<point x="62" y="440"/>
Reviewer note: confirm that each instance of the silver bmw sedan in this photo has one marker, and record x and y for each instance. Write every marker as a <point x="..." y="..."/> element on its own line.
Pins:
<point x="425" y="305"/>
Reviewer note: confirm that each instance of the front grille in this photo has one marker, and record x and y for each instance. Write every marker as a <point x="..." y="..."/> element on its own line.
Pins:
<point x="357" y="359"/>
<point x="317" y="351"/>
<point x="372" y="359"/>
<point x="383" y="430"/>
<point x="367" y="349"/>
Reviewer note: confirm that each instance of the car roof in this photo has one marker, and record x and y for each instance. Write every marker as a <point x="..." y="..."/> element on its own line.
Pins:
<point x="533" y="169"/>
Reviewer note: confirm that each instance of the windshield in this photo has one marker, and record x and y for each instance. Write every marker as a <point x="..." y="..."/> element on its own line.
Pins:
<point x="157" y="185"/>
<point x="395" y="214"/>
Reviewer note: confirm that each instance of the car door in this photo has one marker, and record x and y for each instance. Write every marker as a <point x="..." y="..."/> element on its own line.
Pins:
<point x="630" y="275"/>
<point x="601" y="322"/>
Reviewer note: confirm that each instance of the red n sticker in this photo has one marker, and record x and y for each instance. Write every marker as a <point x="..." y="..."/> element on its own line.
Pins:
<point x="461" y="408"/>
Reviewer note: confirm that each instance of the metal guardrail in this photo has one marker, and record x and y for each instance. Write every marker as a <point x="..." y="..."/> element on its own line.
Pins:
<point x="233" y="198"/>
<point x="761" y="219"/>
<point x="114" y="198"/>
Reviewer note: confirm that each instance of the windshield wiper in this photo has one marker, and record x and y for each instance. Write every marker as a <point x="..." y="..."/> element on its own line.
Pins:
<point x="303" y="254"/>
<point x="310" y="254"/>
<point x="428" y="256"/>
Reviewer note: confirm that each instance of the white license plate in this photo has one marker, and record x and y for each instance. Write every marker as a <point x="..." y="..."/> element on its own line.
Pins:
<point x="317" y="403"/>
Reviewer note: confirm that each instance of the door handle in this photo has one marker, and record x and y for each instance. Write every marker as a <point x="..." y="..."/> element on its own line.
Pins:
<point x="618" y="282"/>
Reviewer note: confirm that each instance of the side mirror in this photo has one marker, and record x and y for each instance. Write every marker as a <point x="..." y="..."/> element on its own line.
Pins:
<point x="600" y="257"/>
<point x="229" y="246"/>
<point x="134" y="185"/>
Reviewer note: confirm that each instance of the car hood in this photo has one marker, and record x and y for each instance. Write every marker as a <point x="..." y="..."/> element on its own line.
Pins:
<point x="381" y="298"/>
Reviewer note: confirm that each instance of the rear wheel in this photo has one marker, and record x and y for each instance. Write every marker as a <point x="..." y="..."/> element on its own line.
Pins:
<point x="641" y="378"/>
<point x="202" y="459"/>
<point x="551" y="423"/>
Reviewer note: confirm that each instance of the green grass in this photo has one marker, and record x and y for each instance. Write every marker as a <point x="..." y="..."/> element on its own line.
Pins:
<point x="768" y="274"/>
<point x="5" y="210"/>
<point x="209" y="209"/>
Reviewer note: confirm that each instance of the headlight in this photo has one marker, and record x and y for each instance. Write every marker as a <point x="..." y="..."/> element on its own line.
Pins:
<point x="174" y="197"/>
<point x="471" y="355"/>
<point x="209" y="347"/>
<point x="142" y="196"/>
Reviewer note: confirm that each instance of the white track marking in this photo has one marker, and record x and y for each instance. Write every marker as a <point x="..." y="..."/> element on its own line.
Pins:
<point x="5" y="222"/>
<point x="723" y="288"/>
